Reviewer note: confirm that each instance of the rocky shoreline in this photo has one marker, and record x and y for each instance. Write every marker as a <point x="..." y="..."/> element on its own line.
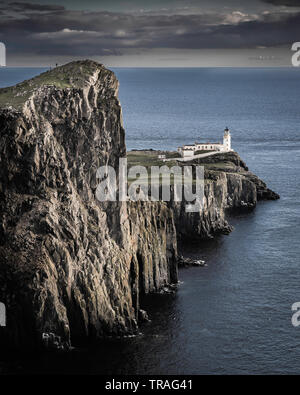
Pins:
<point x="72" y="268"/>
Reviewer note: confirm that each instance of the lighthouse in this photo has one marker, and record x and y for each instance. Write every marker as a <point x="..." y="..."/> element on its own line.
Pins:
<point x="191" y="150"/>
<point x="227" y="140"/>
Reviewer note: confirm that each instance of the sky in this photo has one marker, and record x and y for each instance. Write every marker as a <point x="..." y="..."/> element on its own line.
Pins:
<point x="151" y="33"/>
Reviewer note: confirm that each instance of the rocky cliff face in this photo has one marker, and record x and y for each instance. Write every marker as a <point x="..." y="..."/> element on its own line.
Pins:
<point x="229" y="185"/>
<point x="71" y="267"/>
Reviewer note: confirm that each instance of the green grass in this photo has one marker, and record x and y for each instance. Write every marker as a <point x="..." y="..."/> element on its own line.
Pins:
<point x="172" y="154"/>
<point x="148" y="159"/>
<point x="222" y="166"/>
<point x="71" y="75"/>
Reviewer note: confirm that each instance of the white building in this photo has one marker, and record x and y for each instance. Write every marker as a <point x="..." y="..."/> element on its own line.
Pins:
<point x="227" y="140"/>
<point x="189" y="150"/>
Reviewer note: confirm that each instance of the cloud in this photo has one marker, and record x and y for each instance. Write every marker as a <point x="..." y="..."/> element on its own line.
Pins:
<point x="288" y="3"/>
<point x="236" y="17"/>
<point x="66" y="33"/>
<point x="55" y="30"/>
<point x="18" y="6"/>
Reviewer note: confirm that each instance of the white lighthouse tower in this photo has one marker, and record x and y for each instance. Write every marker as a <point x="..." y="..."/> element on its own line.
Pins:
<point x="227" y="140"/>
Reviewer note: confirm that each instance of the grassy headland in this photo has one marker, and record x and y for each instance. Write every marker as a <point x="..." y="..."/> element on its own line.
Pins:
<point x="72" y="75"/>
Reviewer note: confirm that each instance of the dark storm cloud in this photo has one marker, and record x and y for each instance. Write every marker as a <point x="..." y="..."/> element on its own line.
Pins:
<point x="18" y="6"/>
<point x="261" y="33"/>
<point x="288" y="3"/>
<point x="54" y="30"/>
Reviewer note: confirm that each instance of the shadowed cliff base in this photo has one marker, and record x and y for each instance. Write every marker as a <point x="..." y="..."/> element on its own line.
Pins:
<point x="72" y="268"/>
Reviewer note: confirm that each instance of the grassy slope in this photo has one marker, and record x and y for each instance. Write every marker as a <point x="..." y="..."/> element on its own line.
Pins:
<point x="148" y="159"/>
<point x="222" y="162"/>
<point x="67" y="76"/>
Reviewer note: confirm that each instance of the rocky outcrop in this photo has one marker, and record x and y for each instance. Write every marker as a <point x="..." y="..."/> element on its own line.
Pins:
<point x="235" y="168"/>
<point x="229" y="185"/>
<point x="71" y="267"/>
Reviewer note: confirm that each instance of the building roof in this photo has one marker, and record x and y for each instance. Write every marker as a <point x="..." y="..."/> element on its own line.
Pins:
<point x="208" y="144"/>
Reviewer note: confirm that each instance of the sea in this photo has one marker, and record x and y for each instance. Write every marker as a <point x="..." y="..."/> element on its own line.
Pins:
<point x="232" y="316"/>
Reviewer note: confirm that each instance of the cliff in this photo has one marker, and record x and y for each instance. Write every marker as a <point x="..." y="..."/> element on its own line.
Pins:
<point x="73" y="268"/>
<point x="69" y="264"/>
<point x="229" y="186"/>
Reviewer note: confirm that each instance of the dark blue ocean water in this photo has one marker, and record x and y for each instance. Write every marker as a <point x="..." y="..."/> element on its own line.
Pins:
<point x="233" y="316"/>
